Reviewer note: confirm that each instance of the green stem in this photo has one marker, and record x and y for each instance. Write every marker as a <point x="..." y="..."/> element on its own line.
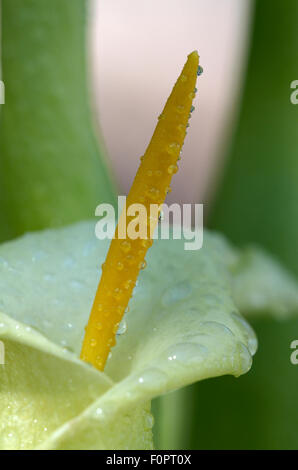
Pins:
<point x="51" y="171"/>
<point x="172" y="428"/>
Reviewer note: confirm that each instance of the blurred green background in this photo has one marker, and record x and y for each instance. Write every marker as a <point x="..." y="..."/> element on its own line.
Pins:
<point x="257" y="202"/>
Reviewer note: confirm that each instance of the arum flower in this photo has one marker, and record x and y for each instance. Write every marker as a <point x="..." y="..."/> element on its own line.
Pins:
<point x="183" y="324"/>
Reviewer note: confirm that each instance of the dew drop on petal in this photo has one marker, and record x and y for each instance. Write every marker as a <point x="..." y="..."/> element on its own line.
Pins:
<point x="187" y="353"/>
<point x="120" y="266"/>
<point x="122" y="328"/>
<point x="215" y="328"/>
<point x="142" y="264"/>
<point x="245" y="357"/>
<point x="248" y="332"/>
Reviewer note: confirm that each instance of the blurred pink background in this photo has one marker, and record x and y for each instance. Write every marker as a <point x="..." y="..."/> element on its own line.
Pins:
<point x="138" y="48"/>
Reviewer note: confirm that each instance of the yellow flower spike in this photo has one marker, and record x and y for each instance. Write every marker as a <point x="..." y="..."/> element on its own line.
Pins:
<point x="126" y="257"/>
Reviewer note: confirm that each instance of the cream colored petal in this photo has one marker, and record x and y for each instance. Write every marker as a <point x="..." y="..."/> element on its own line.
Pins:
<point x="183" y="326"/>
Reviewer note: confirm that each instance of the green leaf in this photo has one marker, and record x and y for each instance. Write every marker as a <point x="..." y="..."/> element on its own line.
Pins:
<point x="257" y="203"/>
<point x="258" y="196"/>
<point x="51" y="171"/>
<point x="183" y="326"/>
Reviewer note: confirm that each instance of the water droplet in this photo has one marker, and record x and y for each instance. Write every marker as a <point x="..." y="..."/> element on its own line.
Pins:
<point x="142" y="264"/>
<point x="149" y="173"/>
<point x="93" y="342"/>
<point x="120" y="266"/>
<point x="173" y="148"/>
<point x="117" y="294"/>
<point x="38" y="255"/>
<point x="215" y="328"/>
<point x="69" y="262"/>
<point x="200" y="70"/>
<point x="122" y="328"/>
<point x="152" y="379"/>
<point x="76" y="284"/>
<point x="187" y="353"/>
<point x="176" y="293"/>
<point x="98" y="326"/>
<point x="128" y="284"/>
<point x="130" y="259"/>
<point x="248" y="332"/>
<point x="3" y="263"/>
<point x="112" y="341"/>
<point x="161" y="216"/>
<point x="146" y="243"/>
<point x="172" y="169"/>
<point x="98" y="361"/>
<point x="180" y="109"/>
<point x="125" y="246"/>
<point x="119" y="310"/>
<point x="245" y="357"/>
<point x="152" y="193"/>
